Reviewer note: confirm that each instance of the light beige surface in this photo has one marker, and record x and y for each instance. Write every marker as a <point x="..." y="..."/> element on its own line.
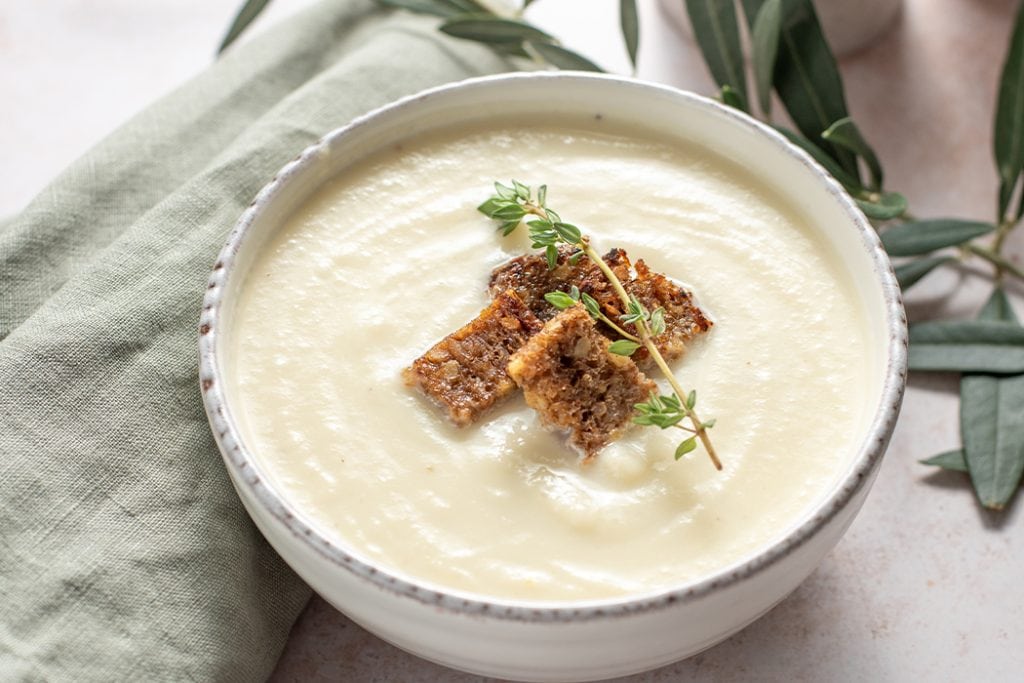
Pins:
<point x="71" y="71"/>
<point x="924" y="586"/>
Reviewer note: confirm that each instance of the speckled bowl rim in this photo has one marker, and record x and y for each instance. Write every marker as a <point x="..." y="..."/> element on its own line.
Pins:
<point x="247" y="471"/>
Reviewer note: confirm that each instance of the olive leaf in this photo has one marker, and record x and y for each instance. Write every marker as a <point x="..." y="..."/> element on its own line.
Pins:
<point x="510" y="49"/>
<point x="630" y="25"/>
<point x="998" y="308"/>
<point x="246" y="15"/>
<point x="992" y="422"/>
<point x="883" y="207"/>
<point x="472" y="20"/>
<point x="844" y="133"/>
<point x="493" y="29"/>
<point x="954" y="461"/>
<point x="437" y="8"/>
<point x="1020" y="207"/>
<point x="950" y="460"/>
<point x="852" y="185"/>
<point x="988" y="346"/>
<point x="466" y="5"/>
<point x="718" y="36"/>
<point x="765" y="48"/>
<point x="1009" y="124"/>
<point x="806" y="76"/>
<point x="921" y="237"/>
<point x="440" y="8"/>
<point x="731" y="98"/>
<point x="908" y="274"/>
<point x="563" y="58"/>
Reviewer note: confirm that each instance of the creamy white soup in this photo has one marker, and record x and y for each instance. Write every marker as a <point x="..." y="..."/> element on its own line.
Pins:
<point x="392" y="255"/>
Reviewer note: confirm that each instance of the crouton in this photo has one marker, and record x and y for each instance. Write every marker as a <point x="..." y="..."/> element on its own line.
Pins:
<point x="571" y="379"/>
<point x="683" y="318"/>
<point x="531" y="279"/>
<point x="465" y="373"/>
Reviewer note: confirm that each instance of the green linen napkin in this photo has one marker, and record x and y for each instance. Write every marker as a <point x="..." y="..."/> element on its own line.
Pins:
<point x="126" y="553"/>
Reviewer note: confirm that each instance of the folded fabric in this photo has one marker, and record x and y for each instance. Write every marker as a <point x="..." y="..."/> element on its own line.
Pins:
<point x="126" y="553"/>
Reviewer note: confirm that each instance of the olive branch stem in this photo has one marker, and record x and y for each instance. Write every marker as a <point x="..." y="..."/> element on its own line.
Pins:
<point x="994" y="256"/>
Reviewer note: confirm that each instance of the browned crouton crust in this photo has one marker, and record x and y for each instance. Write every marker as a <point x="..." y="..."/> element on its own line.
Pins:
<point x="683" y="318"/>
<point x="465" y="372"/>
<point x="571" y="379"/>
<point x="530" y="278"/>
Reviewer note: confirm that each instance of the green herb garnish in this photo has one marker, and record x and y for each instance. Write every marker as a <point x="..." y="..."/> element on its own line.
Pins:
<point x="510" y="205"/>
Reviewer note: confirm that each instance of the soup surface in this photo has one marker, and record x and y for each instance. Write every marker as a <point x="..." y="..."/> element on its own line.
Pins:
<point x="391" y="256"/>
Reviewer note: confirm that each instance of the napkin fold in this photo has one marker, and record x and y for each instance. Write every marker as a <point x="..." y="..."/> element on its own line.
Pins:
<point x="126" y="553"/>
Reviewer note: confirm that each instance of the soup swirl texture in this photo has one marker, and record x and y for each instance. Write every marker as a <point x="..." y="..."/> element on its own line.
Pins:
<point x="391" y="255"/>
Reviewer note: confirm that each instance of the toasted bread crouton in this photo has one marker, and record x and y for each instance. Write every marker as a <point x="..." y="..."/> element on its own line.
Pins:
<point x="465" y="373"/>
<point x="531" y="279"/>
<point x="571" y="379"/>
<point x="683" y="318"/>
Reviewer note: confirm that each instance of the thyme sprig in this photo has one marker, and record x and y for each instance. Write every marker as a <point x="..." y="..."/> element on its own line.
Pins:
<point x="564" y="300"/>
<point x="515" y="204"/>
<point x="669" y="411"/>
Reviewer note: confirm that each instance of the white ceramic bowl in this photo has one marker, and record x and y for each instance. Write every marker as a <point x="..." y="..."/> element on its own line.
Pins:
<point x="571" y="641"/>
